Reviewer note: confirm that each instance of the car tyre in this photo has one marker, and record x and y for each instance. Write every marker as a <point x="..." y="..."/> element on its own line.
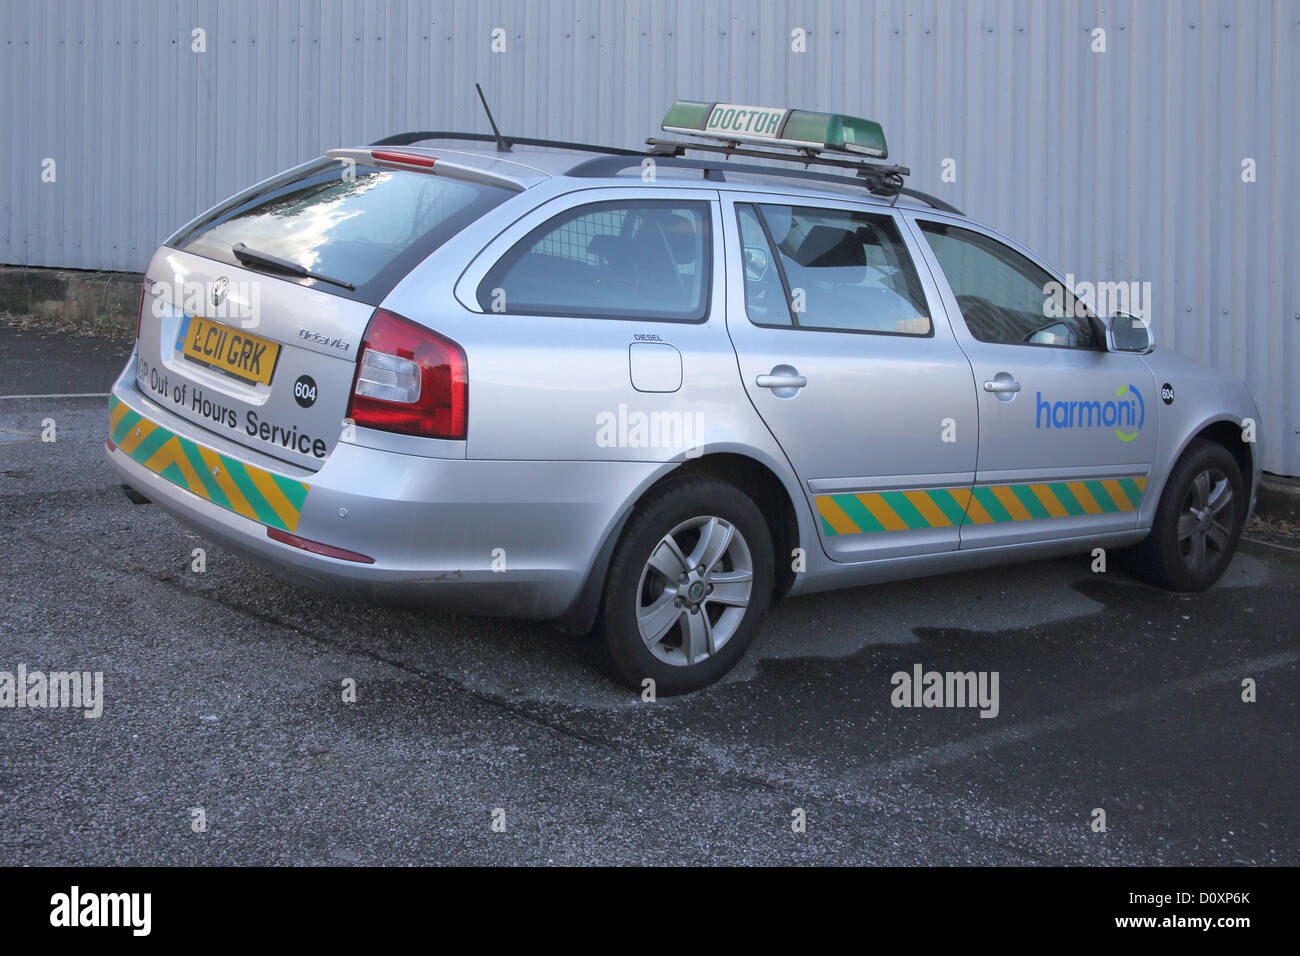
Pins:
<point x="1197" y="523"/>
<point x="687" y="587"/>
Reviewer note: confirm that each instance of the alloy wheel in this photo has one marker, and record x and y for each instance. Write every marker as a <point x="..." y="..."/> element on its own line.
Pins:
<point x="694" y="590"/>
<point x="1206" y="519"/>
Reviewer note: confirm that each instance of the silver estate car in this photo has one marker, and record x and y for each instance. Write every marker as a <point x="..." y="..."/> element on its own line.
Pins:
<point x="644" y="395"/>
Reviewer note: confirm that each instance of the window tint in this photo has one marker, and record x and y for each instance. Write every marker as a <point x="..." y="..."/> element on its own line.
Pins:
<point x="365" y="225"/>
<point x="1005" y="298"/>
<point x="831" y="269"/>
<point x="634" y="259"/>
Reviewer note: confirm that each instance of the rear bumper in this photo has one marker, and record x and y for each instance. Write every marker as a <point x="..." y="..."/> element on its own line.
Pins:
<point x="503" y="538"/>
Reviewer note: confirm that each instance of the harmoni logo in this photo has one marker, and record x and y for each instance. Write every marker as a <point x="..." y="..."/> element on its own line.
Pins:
<point x="75" y="908"/>
<point x="1126" y="413"/>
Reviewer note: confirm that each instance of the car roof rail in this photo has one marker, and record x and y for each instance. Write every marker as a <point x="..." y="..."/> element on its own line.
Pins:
<point x="716" y="170"/>
<point x="614" y="159"/>
<point x="933" y="201"/>
<point x="882" y="179"/>
<point x="411" y="138"/>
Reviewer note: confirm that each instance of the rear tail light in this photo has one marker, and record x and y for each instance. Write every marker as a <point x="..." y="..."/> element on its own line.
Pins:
<point x="409" y="380"/>
<point x="390" y="377"/>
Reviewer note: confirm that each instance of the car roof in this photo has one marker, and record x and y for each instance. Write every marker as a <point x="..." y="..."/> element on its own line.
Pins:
<point x="529" y="166"/>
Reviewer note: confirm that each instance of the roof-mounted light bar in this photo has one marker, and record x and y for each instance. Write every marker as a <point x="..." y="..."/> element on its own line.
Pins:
<point x="775" y="126"/>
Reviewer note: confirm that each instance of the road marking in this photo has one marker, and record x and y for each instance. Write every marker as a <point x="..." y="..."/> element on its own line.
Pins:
<point x="1066" y="720"/>
<point x="64" y="395"/>
<point x="1270" y="544"/>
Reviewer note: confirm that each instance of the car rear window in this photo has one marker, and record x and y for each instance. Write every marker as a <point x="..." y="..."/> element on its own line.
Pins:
<point x="360" y="224"/>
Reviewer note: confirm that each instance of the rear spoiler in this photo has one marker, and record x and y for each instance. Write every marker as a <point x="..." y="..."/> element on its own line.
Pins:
<point x="424" y="162"/>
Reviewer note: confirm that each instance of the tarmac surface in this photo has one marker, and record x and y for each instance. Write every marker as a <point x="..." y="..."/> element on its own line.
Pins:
<point x="222" y="690"/>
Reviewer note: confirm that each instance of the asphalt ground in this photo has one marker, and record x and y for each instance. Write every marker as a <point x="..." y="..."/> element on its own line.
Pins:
<point x="222" y="691"/>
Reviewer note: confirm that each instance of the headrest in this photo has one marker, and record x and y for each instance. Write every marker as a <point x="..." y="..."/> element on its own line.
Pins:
<point x="829" y="246"/>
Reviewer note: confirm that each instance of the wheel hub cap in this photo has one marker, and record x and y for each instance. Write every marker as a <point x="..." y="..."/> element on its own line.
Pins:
<point x="694" y="590"/>
<point x="1206" y="521"/>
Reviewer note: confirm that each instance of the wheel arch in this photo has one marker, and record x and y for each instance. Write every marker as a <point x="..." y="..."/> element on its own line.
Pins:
<point x="748" y="473"/>
<point x="1225" y="432"/>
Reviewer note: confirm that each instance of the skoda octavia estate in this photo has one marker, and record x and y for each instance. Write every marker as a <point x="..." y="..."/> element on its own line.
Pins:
<point x="645" y="394"/>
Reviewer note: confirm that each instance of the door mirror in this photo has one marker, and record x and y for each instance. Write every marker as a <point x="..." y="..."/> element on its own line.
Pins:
<point x="1128" y="333"/>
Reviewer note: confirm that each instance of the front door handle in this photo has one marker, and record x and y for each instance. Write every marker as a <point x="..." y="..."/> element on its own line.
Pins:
<point x="1002" y="386"/>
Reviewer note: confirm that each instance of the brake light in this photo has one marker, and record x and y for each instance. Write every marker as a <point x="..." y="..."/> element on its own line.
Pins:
<point x="409" y="380"/>
<point x="406" y="159"/>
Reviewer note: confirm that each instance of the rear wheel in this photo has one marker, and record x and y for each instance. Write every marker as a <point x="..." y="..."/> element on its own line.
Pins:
<point x="687" y="586"/>
<point x="1198" y="521"/>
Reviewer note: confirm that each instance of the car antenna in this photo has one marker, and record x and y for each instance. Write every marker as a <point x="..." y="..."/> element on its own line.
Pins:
<point x="502" y="143"/>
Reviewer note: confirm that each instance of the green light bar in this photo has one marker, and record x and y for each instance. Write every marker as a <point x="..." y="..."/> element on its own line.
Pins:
<point x="802" y="129"/>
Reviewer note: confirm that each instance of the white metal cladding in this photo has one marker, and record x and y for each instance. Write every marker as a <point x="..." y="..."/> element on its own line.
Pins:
<point x="1117" y="166"/>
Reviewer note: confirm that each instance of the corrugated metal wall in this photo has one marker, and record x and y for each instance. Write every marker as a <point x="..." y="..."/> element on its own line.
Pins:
<point x="1122" y="165"/>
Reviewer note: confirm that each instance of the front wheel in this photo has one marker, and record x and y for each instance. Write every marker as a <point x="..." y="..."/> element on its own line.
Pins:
<point x="1198" y="521"/>
<point x="687" y="587"/>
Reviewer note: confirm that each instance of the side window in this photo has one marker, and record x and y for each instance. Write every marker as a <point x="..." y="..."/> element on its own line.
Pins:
<point x="765" y="302"/>
<point x="633" y="259"/>
<point x="1004" y="298"/>
<point x="829" y="269"/>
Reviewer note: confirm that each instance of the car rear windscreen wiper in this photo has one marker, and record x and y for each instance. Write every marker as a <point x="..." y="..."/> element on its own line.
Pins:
<point x="251" y="257"/>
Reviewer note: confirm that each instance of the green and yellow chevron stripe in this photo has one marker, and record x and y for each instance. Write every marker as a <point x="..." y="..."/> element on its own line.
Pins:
<point x="867" y="512"/>
<point x="244" y="489"/>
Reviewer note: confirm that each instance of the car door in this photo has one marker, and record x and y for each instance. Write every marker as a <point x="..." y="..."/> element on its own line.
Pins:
<point x="847" y="357"/>
<point x="600" y="335"/>
<point x="1067" y="430"/>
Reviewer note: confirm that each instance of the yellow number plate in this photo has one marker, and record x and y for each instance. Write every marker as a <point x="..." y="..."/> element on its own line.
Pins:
<point x="248" y="357"/>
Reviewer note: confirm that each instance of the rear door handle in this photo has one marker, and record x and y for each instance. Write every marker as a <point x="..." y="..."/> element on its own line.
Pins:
<point x="1002" y="386"/>
<point x="781" y="381"/>
<point x="784" y="381"/>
